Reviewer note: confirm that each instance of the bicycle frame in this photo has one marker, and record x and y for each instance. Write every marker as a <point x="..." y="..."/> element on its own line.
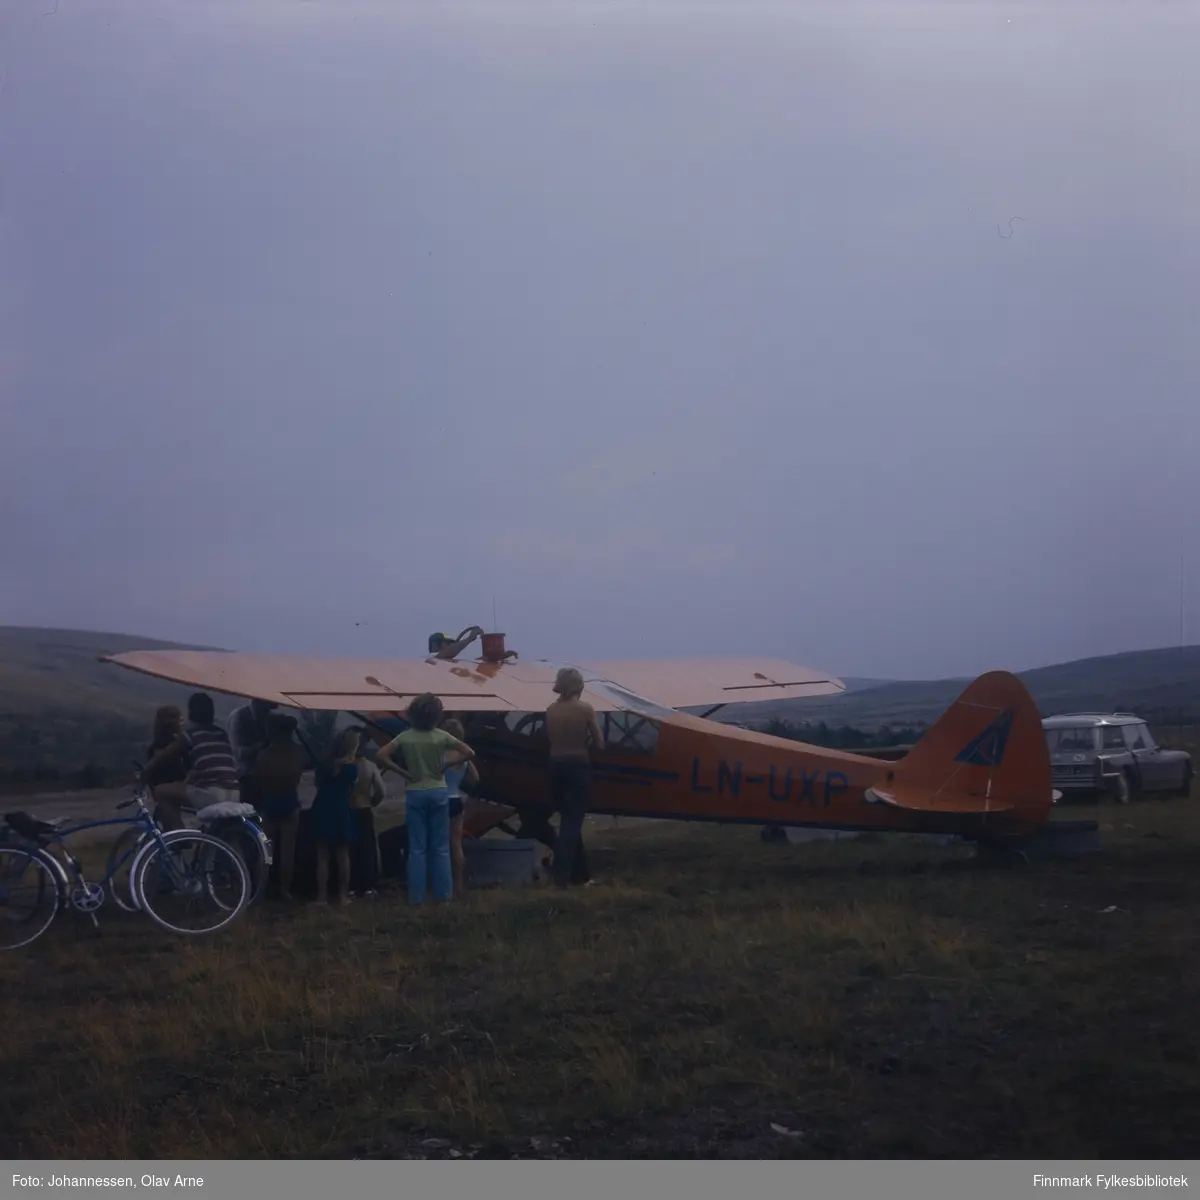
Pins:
<point x="156" y="841"/>
<point x="143" y="819"/>
<point x="260" y="835"/>
<point x="255" y="829"/>
<point x="153" y="840"/>
<point x="45" y="843"/>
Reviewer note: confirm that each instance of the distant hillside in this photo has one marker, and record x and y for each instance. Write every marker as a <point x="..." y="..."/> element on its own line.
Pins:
<point x="857" y="684"/>
<point x="62" y="711"/>
<point x="1160" y="685"/>
<point x="43" y="669"/>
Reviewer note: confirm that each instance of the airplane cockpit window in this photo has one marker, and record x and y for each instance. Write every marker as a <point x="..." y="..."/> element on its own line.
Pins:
<point x="630" y="700"/>
<point x="483" y="723"/>
<point x="527" y="724"/>
<point x="624" y="732"/>
<point x="629" y="733"/>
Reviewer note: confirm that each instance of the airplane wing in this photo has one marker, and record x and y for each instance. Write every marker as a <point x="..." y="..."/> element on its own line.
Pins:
<point x="697" y="683"/>
<point x="341" y="683"/>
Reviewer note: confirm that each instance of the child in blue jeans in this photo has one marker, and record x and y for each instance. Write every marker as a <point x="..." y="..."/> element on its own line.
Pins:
<point x="463" y="769"/>
<point x="427" y="751"/>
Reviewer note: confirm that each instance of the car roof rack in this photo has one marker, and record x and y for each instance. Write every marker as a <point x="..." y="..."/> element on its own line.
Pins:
<point x="1093" y="716"/>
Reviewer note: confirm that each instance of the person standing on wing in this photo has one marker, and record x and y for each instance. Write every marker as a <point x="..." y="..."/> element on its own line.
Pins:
<point x="574" y="732"/>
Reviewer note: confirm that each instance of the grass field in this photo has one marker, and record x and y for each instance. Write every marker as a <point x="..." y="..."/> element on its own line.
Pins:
<point x="712" y="996"/>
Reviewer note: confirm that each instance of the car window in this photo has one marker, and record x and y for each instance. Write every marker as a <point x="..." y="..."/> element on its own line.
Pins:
<point x="1137" y="737"/>
<point x="1080" y="740"/>
<point x="1112" y="739"/>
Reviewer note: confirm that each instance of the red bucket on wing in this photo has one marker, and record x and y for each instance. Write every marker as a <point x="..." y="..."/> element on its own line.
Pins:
<point x="492" y="647"/>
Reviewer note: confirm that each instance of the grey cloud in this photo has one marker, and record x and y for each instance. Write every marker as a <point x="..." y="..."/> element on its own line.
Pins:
<point x="676" y="332"/>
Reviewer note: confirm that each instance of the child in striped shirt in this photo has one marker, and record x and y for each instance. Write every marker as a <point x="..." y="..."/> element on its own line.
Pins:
<point x="211" y="769"/>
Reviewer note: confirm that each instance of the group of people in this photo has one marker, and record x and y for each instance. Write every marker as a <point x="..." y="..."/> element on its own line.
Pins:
<point x="260" y="762"/>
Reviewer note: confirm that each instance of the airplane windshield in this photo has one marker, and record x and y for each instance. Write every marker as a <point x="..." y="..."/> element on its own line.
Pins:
<point x="618" y="695"/>
<point x="627" y="699"/>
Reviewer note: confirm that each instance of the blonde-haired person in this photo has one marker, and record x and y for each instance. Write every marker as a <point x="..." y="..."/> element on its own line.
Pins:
<point x="455" y="774"/>
<point x="168" y="725"/>
<point x="205" y="750"/>
<point x="574" y="734"/>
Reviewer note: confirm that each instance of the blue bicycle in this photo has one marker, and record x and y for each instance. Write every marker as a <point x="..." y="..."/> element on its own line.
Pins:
<point x="237" y="824"/>
<point x="171" y="875"/>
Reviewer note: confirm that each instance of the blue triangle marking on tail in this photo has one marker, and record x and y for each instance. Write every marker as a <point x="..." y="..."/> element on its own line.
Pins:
<point x="987" y="750"/>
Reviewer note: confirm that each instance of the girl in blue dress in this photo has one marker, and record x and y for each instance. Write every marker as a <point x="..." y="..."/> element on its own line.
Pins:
<point x="334" y="826"/>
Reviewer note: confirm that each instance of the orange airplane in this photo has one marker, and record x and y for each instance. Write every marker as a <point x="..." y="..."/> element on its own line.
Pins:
<point x="981" y="772"/>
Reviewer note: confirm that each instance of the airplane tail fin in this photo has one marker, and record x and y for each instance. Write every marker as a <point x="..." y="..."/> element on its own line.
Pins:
<point x="986" y="754"/>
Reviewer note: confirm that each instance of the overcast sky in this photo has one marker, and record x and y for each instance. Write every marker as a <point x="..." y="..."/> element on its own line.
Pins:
<point x="677" y="329"/>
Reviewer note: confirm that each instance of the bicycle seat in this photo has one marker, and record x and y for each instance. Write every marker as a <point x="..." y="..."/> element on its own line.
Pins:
<point x="32" y="827"/>
<point x="225" y="809"/>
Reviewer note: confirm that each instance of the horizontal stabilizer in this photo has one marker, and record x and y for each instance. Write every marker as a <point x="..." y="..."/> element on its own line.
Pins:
<point x="912" y="800"/>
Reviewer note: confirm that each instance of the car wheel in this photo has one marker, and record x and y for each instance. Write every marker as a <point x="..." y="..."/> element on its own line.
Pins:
<point x="1185" y="788"/>
<point x="1123" y="789"/>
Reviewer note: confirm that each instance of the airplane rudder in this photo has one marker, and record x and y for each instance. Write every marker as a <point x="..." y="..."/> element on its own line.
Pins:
<point x="992" y="723"/>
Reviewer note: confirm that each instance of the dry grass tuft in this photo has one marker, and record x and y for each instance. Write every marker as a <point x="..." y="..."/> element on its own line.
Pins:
<point x="875" y="999"/>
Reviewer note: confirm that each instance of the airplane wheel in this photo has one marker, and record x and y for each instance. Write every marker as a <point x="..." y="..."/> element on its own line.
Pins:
<point x="998" y="855"/>
<point x="538" y="828"/>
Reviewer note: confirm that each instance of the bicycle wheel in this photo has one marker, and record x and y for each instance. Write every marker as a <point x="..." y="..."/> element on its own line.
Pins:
<point x="197" y="884"/>
<point x="121" y="858"/>
<point x="30" y="895"/>
<point x="253" y="854"/>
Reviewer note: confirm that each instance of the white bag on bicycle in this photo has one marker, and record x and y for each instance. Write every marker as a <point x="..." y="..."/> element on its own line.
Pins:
<point x="223" y="810"/>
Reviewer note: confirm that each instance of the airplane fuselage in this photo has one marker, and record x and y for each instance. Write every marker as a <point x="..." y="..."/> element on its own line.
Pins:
<point x="688" y="768"/>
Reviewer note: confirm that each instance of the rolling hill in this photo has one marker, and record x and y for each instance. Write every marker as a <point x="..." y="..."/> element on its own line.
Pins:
<point x="62" y="712"/>
<point x="56" y="670"/>
<point x="1161" y="685"/>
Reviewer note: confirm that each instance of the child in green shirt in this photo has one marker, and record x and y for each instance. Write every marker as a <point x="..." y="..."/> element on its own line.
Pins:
<point x="427" y="751"/>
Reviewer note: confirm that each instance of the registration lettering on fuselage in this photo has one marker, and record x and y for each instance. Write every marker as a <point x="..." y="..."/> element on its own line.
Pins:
<point x="783" y="785"/>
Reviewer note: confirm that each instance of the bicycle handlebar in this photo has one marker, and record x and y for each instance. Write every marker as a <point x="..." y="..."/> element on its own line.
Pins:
<point x="138" y="784"/>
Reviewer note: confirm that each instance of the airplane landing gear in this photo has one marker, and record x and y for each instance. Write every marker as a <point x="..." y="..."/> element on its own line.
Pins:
<point x="1000" y="854"/>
